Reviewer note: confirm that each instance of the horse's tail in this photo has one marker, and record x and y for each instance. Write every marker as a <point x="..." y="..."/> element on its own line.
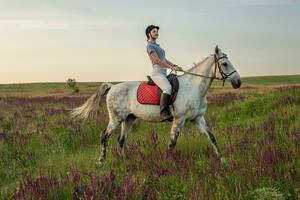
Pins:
<point x="92" y="104"/>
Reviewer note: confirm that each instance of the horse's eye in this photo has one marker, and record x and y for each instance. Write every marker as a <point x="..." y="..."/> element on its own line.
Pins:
<point x="224" y="64"/>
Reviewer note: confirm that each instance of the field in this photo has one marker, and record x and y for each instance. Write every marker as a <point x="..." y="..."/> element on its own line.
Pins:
<point x="46" y="155"/>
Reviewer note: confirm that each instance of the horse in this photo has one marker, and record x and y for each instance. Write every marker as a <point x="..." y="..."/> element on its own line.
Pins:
<point x="190" y="104"/>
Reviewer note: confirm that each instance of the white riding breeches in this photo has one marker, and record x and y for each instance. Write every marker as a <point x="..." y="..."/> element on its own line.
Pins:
<point x="162" y="82"/>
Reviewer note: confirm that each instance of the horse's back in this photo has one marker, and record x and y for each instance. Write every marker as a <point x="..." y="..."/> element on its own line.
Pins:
<point x="119" y="98"/>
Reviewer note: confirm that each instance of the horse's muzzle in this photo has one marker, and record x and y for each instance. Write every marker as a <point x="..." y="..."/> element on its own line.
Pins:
<point x="236" y="83"/>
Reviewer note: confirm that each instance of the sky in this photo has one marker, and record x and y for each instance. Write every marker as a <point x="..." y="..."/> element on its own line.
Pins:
<point x="95" y="41"/>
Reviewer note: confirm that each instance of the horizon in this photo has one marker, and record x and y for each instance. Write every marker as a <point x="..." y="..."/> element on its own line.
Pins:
<point x="246" y="77"/>
<point x="51" y="41"/>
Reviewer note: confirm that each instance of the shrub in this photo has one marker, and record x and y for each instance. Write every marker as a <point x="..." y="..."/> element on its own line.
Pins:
<point x="71" y="83"/>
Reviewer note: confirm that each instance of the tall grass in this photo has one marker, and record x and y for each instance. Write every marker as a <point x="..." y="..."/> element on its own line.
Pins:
<point x="46" y="155"/>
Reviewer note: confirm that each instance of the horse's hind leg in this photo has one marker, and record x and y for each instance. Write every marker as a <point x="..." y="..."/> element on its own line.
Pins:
<point x="126" y="128"/>
<point x="112" y="125"/>
<point x="201" y="124"/>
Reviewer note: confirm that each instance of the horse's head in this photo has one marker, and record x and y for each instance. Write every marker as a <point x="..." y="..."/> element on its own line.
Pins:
<point x="225" y="69"/>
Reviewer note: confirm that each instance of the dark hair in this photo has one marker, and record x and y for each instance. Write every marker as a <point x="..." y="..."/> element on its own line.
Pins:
<point x="149" y="28"/>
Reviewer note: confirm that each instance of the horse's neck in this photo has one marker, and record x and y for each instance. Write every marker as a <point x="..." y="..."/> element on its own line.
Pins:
<point x="203" y="68"/>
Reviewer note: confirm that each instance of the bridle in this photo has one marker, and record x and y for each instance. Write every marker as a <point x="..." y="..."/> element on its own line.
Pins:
<point x="217" y="65"/>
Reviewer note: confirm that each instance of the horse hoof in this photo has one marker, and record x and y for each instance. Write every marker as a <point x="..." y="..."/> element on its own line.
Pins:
<point x="100" y="163"/>
<point x="223" y="160"/>
<point x="172" y="145"/>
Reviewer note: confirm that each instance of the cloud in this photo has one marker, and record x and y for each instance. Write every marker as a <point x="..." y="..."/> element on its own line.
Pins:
<point x="64" y="16"/>
<point x="30" y="24"/>
<point x="63" y="25"/>
<point x="267" y="3"/>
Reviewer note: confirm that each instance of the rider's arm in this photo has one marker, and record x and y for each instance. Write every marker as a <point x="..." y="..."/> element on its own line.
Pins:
<point x="155" y="59"/>
<point x="170" y="63"/>
<point x="176" y="67"/>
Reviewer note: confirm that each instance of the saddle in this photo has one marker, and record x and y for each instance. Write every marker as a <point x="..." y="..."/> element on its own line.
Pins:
<point x="149" y="93"/>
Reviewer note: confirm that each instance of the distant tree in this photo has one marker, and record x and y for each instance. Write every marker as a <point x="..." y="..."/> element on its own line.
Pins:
<point x="71" y="83"/>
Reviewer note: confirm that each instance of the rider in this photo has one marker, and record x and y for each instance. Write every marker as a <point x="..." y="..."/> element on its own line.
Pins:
<point x="159" y="72"/>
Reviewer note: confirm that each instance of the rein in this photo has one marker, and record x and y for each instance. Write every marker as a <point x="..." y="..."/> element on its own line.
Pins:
<point x="217" y="65"/>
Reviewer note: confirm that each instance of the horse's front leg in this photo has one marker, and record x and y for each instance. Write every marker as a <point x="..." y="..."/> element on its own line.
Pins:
<point x="177" y="124"/>
<point x="201" y="124"/>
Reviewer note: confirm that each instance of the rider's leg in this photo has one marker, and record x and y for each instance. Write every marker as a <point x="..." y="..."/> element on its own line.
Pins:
<point x="163" y="83"/>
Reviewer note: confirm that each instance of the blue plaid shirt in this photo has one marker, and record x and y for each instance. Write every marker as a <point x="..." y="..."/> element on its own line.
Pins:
<point x="153" y="46"/>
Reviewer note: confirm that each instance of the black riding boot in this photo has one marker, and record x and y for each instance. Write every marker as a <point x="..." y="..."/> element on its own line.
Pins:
<point x="164" y="107"/>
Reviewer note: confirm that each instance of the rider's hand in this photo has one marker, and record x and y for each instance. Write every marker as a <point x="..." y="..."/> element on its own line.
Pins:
<point x="176" y="68"/>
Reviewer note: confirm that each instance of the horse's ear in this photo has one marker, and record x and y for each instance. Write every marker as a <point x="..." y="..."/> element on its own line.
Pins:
<point x="217" y="50"/>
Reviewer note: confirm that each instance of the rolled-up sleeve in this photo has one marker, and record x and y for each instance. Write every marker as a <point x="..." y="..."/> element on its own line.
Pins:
<point x="150" y="48"/>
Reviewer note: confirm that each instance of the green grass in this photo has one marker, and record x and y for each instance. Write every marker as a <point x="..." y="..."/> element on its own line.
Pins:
<point x="40" y="89"/>
<point x="272" y="80"/>
<point x="46" y="155"/>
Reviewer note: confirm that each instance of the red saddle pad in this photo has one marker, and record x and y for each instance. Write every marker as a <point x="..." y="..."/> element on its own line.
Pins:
<point x="148" y="94"/>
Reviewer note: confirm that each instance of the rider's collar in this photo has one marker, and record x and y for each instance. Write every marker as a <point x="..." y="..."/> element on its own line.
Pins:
<point x="153" y="42"/>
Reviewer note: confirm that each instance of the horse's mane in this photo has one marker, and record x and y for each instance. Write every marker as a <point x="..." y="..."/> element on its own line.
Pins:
<point x="199" y="63"/>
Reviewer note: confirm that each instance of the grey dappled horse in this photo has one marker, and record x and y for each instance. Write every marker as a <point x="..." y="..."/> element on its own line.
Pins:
<point x="190" y="104"/>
